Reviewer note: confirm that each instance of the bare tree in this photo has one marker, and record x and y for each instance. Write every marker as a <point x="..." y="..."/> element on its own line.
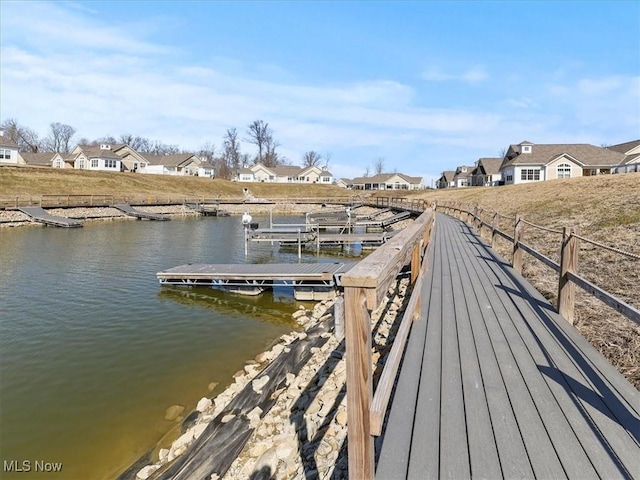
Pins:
<point x="59" y="139"/>
<point x="367" y="171"/>
<point x="327" y="158"/>
<point x="231" y="151"/>
<point x="311" y="159"/>
<point x="26" y="138"/>
<point x="140" y="144"/>
<point x="503" y="152"/>
<point x="379" y="165"/>
<point x="261" y="136"/>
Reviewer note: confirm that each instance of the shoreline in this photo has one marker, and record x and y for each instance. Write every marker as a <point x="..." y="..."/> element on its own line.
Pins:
<point x="302" y="433"/>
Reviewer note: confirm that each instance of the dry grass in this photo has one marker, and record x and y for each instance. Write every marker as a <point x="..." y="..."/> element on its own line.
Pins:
<point x="605" y="209"/>
<point x="25" y="181"/>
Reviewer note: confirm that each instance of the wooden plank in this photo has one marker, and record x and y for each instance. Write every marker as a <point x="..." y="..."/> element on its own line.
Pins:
<point x="396" y="447"/>
<point x="558" y="348"/>
<point x="359" y="384"/>
<point x="483" y="453"/>
<point x="40" y="215"/>
<point x="425" y="437"/>
<point x="556" y="437"/>
<point x="517" y="251"/>
<point x="544" y="259"/>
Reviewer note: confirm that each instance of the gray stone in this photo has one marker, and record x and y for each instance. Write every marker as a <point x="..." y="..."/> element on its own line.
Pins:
<point x="204" y="404"/>
<point x="173" y="412"/>
<point x="146" y="472"/>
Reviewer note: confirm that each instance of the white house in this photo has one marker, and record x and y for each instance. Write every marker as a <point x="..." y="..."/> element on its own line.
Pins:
<point x="8" y="150"/>
<point x="631" y="161"/>
<point x="388" y="181"/>
<point x="100" y="158"/>
<point x="487" y="172"/>
<point x="177" y="164"/>
<point x="528" y="162"/>
<point x="284" y="174"/>
<point x="462" y="177"/>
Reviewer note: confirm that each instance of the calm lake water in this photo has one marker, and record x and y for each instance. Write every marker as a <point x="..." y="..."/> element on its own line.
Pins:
<point x="93" y="350"/>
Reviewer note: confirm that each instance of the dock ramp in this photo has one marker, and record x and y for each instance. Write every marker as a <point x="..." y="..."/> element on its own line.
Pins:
<point x="40" y="215"/>
<point x="133" y="212"/>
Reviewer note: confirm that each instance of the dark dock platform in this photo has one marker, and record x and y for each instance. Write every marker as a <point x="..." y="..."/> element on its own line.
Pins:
<point x="208" y="209"/>
<point x="495" y="384"/>
<point x="309" y="280"/>
<point x="133" y="212"/>
<point x="40" y="215"/>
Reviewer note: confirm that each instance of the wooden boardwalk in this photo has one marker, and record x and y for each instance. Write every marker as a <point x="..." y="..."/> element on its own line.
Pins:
<point x="40" y="215"/>
<point x="495" y="384"/>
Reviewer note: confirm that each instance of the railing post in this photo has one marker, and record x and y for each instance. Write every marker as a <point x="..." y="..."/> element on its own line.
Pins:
<point x="479" y="221"/>
<point x="494" y="227"/>
<point x="517" y="251"/>
<point x="415" y="262"/>
<point x="338" y="315"/>
<point x="568" y="263"/>
<point x="359" y="384"/>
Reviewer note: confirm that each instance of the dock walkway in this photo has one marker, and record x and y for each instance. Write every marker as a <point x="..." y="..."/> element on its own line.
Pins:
<point x="495" y="384"/>
<point x="40" y="215"/>
<point x="134" y="212"/>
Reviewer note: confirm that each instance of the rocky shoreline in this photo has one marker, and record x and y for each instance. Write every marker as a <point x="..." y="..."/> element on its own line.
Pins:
<point x="303" y="433"/>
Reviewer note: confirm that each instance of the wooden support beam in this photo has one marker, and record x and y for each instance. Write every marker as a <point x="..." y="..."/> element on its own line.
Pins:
<point x="416" y="256"/>
<point x="517" y="251"/>
<point x="494" y="227"/>
<point x="359" y="384"/>
<point x="568" y="263"/>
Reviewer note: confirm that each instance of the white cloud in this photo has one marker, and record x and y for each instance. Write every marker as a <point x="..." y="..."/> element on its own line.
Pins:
<point x="472" y="76"/>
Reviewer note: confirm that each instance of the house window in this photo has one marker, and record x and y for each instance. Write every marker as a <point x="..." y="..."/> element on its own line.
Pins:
<point x="526" y="149"/>
<point x="509" y="178"/>
<point x="110" y="163"/>
<point x="529" y="174"/>
<point x="81" y="164"/>
<point x="5" y="154"/>
<point x="564" y="170"/>
<point x="58" y="163"/>
<point x="325" y="179"/>
<point x="94" y="163"/>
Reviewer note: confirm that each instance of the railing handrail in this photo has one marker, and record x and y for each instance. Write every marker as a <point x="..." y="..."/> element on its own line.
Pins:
<point x="568" y="276"/>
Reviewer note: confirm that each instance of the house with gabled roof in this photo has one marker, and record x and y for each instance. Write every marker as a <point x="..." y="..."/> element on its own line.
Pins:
<point x="175" y="164"/>
<point x="487" y="172"/>
<point x="446" y="179"/>
<point x="9" y="150"/>
<point x="462" y="177"/>
<point x="528" y="162"/>
<point x="344" y="183"/>
<point x="132" y="161"/>
<point x="96" y="157"/>
<point x="284" y="174"/>
<point x="631" y="161"/>
<point x="63" y="160"/>
<point x="388" y="181"/>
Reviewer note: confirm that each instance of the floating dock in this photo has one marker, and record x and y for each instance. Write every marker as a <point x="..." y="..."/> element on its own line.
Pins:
<point x="40" y="215"/>
<point x="139" y="214"/>
<point x="310" y="281"/>
<point x="208" y="209"/>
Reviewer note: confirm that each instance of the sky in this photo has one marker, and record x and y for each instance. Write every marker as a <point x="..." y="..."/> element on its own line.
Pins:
<point x="424" y="85"/>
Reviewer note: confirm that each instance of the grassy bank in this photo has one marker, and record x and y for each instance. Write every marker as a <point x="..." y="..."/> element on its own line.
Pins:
<point x="47" y="181"/>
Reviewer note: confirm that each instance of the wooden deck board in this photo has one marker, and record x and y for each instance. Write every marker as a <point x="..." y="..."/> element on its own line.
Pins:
<point x="508" y="389"/>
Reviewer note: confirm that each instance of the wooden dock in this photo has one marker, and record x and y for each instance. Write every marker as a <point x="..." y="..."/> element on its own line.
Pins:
<point x="208" y="209"/>
<point x="495" y="384"/>
<point x="310" y="281"/>
<point x="40" y="215"/>
<point x="133" y="212"/>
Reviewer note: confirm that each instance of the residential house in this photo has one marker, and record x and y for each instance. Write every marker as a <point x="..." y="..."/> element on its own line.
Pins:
<point x="63" y="160"/>
<point x="206" y="169"/>
<point x="631" y="161"/>
<point x="388" y="181"/>
<point x="462" y="177"/>
<point x="529" y="162"/>
<point x="487" y="172"/>
<point x="446" y="179"/>
<point x="41" y="159"/>
<point x="132" y="161"/>
<point x="8" y="150"/>
<point x="99" y="158"/>
<point x="175" y="164"/>
<point x="284" y="174"/>
<point x="344" y="183"/>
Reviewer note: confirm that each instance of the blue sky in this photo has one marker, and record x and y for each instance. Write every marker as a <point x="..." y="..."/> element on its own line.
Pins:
<point x="425" y="85"/>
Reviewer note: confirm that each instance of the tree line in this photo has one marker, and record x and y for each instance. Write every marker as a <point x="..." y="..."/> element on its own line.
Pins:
<point x="226" y="160"/>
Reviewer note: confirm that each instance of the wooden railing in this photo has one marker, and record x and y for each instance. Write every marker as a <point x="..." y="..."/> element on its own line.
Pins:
<point x="365" y="286"/>
<point x="70" y="201"/>
<point x="567" y="267"/>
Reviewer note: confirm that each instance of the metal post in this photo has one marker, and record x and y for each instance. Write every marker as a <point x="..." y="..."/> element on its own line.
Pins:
<point x="299" y="245"/>
<point x="246" y="241"/>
